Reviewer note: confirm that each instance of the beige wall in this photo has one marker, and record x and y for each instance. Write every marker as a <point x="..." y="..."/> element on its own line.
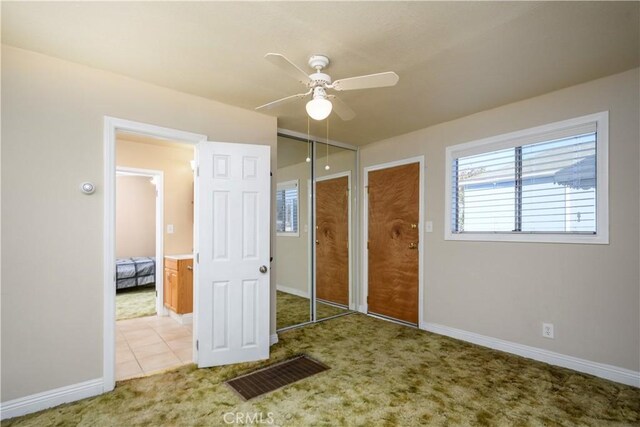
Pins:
<point x="52" y="118"/>
<point x="506" y="290"/>
<point x="178" y="186"/>
<point x="135" y="217"/>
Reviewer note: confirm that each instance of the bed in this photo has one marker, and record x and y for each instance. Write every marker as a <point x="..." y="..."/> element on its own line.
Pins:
<point x="135" y="272"/>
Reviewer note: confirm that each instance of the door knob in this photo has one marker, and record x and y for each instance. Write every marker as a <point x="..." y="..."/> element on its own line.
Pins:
<point x="413" y="245"/>
<point x="263" y="269"/>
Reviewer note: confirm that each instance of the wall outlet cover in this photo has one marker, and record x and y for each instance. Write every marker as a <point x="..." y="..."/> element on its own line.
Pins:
<point x="547" y="330"/>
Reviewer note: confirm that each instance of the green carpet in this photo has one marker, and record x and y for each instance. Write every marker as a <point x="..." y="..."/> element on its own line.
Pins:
<point x="382" y="374"/>
<point x="136" y="303"/>
<point x="293" y="310"/>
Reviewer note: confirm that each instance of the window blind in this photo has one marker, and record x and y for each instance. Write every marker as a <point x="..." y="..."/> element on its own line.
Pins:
<point x="546" y="186"/>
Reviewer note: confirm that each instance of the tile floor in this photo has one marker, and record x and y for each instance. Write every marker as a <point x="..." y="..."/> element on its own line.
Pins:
<point x="149" y="344"/>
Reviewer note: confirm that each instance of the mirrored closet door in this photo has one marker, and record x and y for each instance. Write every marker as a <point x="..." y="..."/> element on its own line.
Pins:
<point x="293" y="237"/>
<point x="335" y="173"/>
<point x="315" y="238"/>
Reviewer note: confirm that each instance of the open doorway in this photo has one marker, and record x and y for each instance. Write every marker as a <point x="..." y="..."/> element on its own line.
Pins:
<point x="154" y="254"/>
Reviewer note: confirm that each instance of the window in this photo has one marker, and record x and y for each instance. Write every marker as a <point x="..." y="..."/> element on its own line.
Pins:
<point x="287" y="209"/>
<point x="547" y="184"/>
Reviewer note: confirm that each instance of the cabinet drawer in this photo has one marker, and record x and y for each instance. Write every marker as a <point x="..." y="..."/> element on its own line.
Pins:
<point x="171" y="263"/>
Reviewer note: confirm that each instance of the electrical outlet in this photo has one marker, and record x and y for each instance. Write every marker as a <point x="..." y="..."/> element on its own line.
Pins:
<point x="428" y="226"/>
<point x="547" y="330"/>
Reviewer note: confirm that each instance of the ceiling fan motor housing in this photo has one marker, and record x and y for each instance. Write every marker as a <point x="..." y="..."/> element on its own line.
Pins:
<point x="319" y="79"/>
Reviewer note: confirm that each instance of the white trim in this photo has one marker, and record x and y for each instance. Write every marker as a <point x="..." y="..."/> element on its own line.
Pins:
<point x="350" y="233"/>
<point x="303" y="137"/>
<point x="365" y="230"/>
<point x="159" y="229"/>
<point x="602" y="370"/>
<point x="293" y="291"/>
<point x="273" y="339"/>
<point x="602" y="193"/>
<point x="362" y="308"/>
<point x="287" y="185"/>
<point x="183" y="319"/>
<point x="111" y="126"/>
<point x="47" y="399"/>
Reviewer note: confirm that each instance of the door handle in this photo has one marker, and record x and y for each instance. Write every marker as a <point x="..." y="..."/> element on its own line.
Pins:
<point x="317" y="242"/>
<point x="189" y="267"/>
<point x="263" y="269"/>
<point x="413" y="245"/>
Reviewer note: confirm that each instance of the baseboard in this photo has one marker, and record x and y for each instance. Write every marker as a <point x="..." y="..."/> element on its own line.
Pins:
<point x="273" y="339"/>
<point x="292" y="291"/>
<point x="183" y="319"/>
<point x="362" y="309"/>
<point x="602" y="370"/>
<point x="47" y="399"/>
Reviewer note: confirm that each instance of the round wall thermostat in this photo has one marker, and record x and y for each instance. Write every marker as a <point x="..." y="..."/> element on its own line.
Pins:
<point x="87" y="188"/>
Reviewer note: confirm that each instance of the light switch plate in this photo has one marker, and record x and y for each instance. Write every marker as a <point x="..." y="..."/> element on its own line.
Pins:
<point x="170" y="228"/>
<point x="428" y="226"/>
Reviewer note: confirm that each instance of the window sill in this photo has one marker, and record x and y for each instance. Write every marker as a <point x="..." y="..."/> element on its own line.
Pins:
<point x="585" y="239"/>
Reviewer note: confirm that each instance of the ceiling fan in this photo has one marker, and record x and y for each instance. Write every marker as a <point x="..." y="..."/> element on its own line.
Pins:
<point x="319" y="83"/>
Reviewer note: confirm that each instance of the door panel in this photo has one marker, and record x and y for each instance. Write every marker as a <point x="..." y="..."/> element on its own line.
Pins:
<point x="232" y="294"/>
<point x="332" y="240"/>
<point x="394" y="195"/>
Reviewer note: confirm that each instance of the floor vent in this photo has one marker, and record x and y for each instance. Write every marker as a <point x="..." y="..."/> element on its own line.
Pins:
<point x="275" y="376"/>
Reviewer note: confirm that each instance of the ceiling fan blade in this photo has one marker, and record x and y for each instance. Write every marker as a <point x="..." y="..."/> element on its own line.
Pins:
<point x="365" y="82"/>
<point x="282" y="101"/>
<point x="342" y="110"/>
<point x="288" y="67"/>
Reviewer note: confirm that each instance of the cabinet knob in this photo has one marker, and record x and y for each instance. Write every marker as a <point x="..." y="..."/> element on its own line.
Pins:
<point x="189" y="267"/>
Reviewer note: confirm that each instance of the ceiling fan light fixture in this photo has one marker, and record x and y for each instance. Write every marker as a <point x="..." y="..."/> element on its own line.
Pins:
<point x="319" y="108"/>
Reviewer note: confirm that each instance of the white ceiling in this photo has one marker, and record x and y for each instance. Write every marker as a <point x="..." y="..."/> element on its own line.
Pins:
<point x="453" y="58"/>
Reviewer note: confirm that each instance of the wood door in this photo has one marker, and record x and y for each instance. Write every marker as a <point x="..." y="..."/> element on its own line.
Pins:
<point x="167" y="288"/>
<point x="173" y="289"/>
<point x="332" y="240"/>
<point x="233" y="243"/>
<point x="394" y="196"/>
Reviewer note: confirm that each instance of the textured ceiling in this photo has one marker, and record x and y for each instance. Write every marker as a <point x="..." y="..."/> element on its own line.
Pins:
<point x="453" y="58"/>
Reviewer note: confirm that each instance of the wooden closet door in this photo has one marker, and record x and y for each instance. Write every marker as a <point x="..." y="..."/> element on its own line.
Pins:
<point x="393" y="242"/>
<point x="332" y="240"/>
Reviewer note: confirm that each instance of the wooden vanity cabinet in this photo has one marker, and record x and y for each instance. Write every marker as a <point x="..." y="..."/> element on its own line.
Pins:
<point x="178" y="285"/>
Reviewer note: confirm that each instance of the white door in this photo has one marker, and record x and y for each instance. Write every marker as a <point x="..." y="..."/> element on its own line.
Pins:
<point x="232" y="284"/>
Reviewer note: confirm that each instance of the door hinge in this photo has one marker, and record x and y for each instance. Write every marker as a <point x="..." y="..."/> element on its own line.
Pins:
<point x="367" y="299"/>
<point x="367" y="187"/>
<point x="197" y="345"/>
<point x="367" y="244"/>
<point x="156" y="294"/>
<point x="198" y="258"/>
<point x="197" y="170"/>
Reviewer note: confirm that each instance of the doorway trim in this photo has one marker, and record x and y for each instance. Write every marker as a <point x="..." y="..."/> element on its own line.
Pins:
<point x="159" y="229"/>
<point x="365" y="233"/>
<point x="111" y="126"/>
<point x="347" y="173"/>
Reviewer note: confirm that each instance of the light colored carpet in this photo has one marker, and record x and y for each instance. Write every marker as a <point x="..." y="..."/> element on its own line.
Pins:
<point x="136" y="303"/>
<point x="293" y="310"/>
<point x="382" y="374"/>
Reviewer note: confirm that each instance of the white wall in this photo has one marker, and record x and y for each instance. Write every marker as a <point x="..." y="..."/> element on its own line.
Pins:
<point x="506" y="290"/>
<point x="52" y="134"/>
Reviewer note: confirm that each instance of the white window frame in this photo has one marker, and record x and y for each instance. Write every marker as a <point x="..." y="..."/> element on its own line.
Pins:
<point x="514" y="139"/>
<point x="288" y="185"/>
